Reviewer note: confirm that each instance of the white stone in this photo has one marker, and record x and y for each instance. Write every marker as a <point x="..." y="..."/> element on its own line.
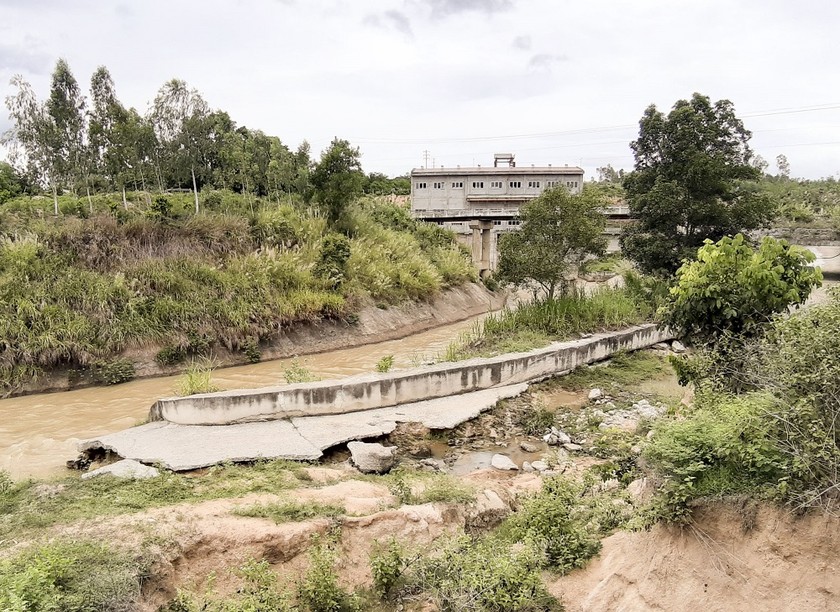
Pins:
<point x="527" y="467"/>
<point x="127" y="468"/>
<point x="540" y="466"/>
<point x="678" y="347"/>
<point x="572" y="447"/>
<point x="502" y="462"/>
<point x="372" y="458"/>
<point x="595" y="394"/>
<point x="528" y="447"/>
<point x="550" y="439"/>
<point x="563" y="437"/>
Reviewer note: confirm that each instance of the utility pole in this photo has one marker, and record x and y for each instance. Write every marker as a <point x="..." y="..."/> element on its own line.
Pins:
<point x="426" y="155"/>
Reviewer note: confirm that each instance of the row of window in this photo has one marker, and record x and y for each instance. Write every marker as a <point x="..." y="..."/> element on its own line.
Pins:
<point x="497" y="184"/>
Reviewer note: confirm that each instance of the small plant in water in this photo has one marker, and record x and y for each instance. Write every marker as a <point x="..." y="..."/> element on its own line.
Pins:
<point x="197" y="379"/>
<point x="298" y="373"/>
<point x="385" y="364"/>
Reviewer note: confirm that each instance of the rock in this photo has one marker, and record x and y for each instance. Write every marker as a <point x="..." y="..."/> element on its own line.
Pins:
<point x="528" y="447"/>
<point x="572" y="447"/>
<point x="372" y="458"/>
<point x="610" y="485"/>
<point x="660" y="346"/>
<point x="127" y="468"/>
<point x="678" y="347"/>
<point x="636" y="449"/>
<point x="650" y="435"/>
<point x="421" y="450"/>
<point x="502" y="462"/>
<point x="551" y="439"/>
<point x="563" y="437"/>
<point x="595" y="394"/>
<point x="540" y="466"/>
<point x="636" y="489"/>
<point x="434" y="465"/>
<point x="527" y="467"/>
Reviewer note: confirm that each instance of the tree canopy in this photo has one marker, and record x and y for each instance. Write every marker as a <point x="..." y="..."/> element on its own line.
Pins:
<point x="338" y="179"/>
<point x="558" y="231"/>
<point x="691" y="182"/>
<point x="733" y="288"/>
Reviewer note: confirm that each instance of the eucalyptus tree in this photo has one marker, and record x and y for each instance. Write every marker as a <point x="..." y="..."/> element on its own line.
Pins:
<point x="66" y="110"/>
<point x="178" y="116"/>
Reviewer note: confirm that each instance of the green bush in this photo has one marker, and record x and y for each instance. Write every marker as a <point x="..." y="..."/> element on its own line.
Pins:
<point x="171" y="355"/>
<point x="546" y="520"/>
<point x="385" y="364"/>
<point x="76" y="576"/>
<point x="114" y="372"/>
<point x="196" y="379"/>
<point x="319" y="590"/>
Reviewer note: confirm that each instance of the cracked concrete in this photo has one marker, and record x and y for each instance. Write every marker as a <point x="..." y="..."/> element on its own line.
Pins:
<point x="188" y="447"/>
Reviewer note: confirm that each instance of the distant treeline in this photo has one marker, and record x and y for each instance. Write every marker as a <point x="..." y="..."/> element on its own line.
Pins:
<point x="84" y="145"/>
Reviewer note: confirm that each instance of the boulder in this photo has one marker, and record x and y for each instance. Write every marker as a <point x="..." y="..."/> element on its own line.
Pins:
<point x="595" y="394"/>
<point x="527" y="467"/>
<point x="502" y="462"/>
<point x="562" y="436"/>
<point x="540" y="466"/>
<point x="678" y="347"/>
<point x="434" y="465"/>
<point x="372" y="458"/>
<point x="660" y="346"/>
<point x="572" y="447"/>
<point x="528" y="447"/>
<point x="127" y="468"/>
<point x="551" y="439"/>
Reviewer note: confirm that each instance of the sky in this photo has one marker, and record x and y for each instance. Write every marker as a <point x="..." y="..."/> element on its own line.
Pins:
<point x="450" y="82"/>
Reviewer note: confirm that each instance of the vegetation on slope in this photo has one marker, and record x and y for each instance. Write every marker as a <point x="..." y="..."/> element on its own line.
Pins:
<point x="77" y="291"/>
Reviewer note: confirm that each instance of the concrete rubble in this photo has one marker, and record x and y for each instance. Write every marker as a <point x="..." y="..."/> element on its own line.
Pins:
<point x="127" y="468"/>
<point x="372" y="458"/>
<point x="189" y="447"/>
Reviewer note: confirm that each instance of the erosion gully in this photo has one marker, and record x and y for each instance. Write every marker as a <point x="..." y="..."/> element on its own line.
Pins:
<point x="38" y="433"/>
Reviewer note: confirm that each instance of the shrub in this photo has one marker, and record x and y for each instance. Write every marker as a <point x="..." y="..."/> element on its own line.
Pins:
<point x="171" y="355"/>
<point x="296" y="372"/>
<point x="251" y="350"/>
<point x="546" y="521"/>
<point x="196" y="379"/>
<point x="385" y="364"/>
<point x="113" y="372"/>
<point x="319" y="590"/>
<point x="387" y="564"/>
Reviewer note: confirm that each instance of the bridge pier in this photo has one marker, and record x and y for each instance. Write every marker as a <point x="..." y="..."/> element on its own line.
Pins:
<point x="482" y="245"/>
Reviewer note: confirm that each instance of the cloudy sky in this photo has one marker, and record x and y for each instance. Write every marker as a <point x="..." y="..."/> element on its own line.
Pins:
<point x="554" y="82"/>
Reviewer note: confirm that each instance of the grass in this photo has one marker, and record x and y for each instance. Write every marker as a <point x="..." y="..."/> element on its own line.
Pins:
<point x="23" y="512"/>
<point x="540" y="323"/>
<point x="77" y="292"/>
<point x="621" y="371"/>
<point x="286" y="512"/>
<point x="196" y="379"/>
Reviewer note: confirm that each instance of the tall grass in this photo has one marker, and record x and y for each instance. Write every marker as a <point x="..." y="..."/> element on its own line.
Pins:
<point x="79" y="289"/>
<point x="539" y="323"/>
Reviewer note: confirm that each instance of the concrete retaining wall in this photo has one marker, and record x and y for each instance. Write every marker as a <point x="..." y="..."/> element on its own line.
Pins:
<point x="394" y="388"/>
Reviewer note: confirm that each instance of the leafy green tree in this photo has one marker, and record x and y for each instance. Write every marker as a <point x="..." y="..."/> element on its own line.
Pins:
<point x="559" y="230"/>
<point x="338" y="179"/>
<point x="690" y="183"/>
<point x="11" y="183"/>
<point x="735" y="289"/>
<point x="66" y="109"/>
<point x="783" y="165"/>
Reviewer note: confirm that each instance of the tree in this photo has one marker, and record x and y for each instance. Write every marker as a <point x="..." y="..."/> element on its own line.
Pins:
<point x="735" y="289"/>
<point x="691" y="182"/>
<point x="608" y="174"/>
<point x="783" y="165"/>
<point x="66" y="111"/>
<point x="338" y="179"/>
<point x="179" y="116"/>
<point x="558" y="231"/>
<point x="11" y="183"/>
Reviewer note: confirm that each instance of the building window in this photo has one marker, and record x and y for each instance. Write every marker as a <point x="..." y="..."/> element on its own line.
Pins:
<point x="533" y="184"/>
<point x="516" y="184"/>
<point x="438" y="185"/>
<point x="420" y="186"/>
<point x="496" y="222"/>
<point x="513" y="222"/>
<point x="458" y="185"/>
<point x="478" y="184"/>
<point x="572" y="184"/>
<point x="496" y="185"/>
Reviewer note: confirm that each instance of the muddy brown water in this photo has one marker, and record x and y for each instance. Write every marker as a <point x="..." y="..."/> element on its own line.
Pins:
<point x="38" y="433"/>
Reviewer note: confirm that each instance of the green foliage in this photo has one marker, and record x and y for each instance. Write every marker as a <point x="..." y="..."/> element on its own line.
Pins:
<point x="332" y="265"/>
<point x="71" y="576"/>
<point x="113" y="372"/>
<point x="196" y="379"/>
<point x="251" y="350"/>
<point x="558" y="232"/>
<point x="546" y="520"/>
<point x="536" y="421"/>
<point x="171" y="355"/>
<point x="338" y="179"/>
<point x="291" y="511"/>
<point x="481" y="575"/>
<point x="538" y="323"/>
<point x="387" y="565"/>
<point x="734" y="288"/>
<point x="385" y="364"/>
<point x="259" y="593"/>
<point x="319" y="590"/>
<point x="690" y="183"/>
<point x="11" y="184"/>
<point x="296" y="372"/>
<point x="727" y="445"/>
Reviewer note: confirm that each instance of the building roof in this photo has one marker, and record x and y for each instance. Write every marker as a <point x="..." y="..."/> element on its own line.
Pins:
<point x="490" y="171"/>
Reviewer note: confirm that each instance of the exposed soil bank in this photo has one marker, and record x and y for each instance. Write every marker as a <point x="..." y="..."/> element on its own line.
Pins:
<point x="372" y="324"/>
<point x="731" y="557"/>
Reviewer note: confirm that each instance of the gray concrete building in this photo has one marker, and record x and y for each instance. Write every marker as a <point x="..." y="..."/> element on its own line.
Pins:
<point x="478" y="203"/>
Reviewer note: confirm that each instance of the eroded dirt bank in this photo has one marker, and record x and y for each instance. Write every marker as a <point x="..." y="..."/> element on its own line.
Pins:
<point x="732" y="557"/>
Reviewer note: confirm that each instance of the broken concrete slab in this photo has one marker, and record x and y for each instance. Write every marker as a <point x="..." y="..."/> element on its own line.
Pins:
<point x="127" y="468"/>
<point x="189" y="447"/>
<point x="372" y="458"/>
